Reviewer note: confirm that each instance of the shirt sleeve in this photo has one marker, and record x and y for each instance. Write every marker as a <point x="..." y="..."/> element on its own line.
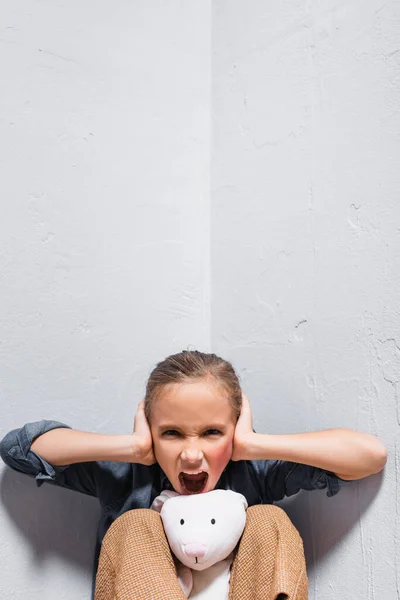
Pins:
<point x="16" y="453"/>
<point x="283" y="478"/>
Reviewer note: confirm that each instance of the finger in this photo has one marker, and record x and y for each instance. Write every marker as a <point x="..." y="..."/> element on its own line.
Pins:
<point x="245" y="404"/>
<point x="245" y="399"/>
<point x="245" y="414"/>
<point x="140" y="421"/>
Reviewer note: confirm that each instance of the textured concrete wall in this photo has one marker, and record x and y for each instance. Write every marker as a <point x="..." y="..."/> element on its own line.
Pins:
<point x="106" y="250"/>
<point x="104" y="240"/>
<point x="306" y="251"/>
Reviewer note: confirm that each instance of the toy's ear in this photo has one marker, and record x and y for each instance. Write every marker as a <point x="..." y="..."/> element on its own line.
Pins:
<point x="243" y="499"/>
<point x="159" y="502"/>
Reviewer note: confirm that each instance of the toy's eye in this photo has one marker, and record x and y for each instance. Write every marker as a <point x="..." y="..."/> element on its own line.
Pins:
<point x="212" y="521"/>
<point x="182" y="521"/>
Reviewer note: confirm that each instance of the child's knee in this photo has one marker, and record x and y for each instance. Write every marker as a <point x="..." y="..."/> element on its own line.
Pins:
<point x="267" y="519"/>
<point x="266" y="512"/>
<point x="140" y="515"/>
<point x="133" y="522"/>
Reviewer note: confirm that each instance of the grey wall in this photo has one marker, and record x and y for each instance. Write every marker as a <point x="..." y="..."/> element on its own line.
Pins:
<point x="118" y="248"/>
<point x="104" y="233"/>
<point x="306" y="253"/>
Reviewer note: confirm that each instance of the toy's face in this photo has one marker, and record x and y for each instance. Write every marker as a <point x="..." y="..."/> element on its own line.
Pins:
<point x="204" y="529"/>
<point x="192" y="426"/>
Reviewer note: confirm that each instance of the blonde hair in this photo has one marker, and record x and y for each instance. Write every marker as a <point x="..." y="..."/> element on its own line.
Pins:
<point x="187" y="366"/>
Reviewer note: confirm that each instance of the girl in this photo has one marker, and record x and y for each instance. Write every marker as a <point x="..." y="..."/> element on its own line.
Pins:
<point x="192" y="433"/>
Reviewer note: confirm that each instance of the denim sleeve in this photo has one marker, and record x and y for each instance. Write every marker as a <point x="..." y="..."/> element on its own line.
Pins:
<point x="16" y="453"/>
<point x="284" y="478"/>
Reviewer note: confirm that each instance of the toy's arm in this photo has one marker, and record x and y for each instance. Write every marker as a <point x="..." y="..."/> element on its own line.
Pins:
<point x="185" y="578"/>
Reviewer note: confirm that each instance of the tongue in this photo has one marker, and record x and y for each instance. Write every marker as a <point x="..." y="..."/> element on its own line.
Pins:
<point x="196" y="477"/>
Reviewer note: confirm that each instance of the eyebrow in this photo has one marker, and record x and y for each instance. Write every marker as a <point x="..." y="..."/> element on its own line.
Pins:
<point x="177" y="428"/>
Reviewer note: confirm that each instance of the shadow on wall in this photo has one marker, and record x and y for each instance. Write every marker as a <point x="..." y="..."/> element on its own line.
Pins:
<point x="325" y="522"/>
<point x="56" y="520"/>
<point x="52" y="520"/>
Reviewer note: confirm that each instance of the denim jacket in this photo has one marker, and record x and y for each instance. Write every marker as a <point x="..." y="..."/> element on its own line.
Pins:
<point x="124" y="486"/>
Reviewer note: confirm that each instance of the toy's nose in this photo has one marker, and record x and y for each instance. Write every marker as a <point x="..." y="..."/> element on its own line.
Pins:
<point x="195" y="550"/>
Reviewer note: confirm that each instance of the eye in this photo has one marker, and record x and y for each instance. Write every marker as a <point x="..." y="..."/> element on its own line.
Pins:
<point x="212" y="521"/>
<point x="182" y="521"/>
<point x="212" y="432"/>
<point x="170" y="433"/>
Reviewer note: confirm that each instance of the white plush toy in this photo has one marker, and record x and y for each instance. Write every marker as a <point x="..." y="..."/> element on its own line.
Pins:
<point x="202" y="531"/>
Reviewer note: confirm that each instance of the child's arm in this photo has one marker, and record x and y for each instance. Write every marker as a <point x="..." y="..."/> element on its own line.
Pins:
<point x="52" y="452"/>
<point x="346" y="453"/>
<point x="64" y="446"/>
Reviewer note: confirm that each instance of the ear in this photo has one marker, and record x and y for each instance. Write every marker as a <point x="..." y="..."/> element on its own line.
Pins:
<point x="242" y="498"/>
<point x="159" y="502"/>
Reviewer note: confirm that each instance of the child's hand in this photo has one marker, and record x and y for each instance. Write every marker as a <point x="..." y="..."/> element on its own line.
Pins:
<point x="143" y="442"/>
<point x="243" y="432"/>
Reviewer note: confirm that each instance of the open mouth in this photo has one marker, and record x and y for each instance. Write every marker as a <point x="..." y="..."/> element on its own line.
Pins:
<point x="193" y="484"/>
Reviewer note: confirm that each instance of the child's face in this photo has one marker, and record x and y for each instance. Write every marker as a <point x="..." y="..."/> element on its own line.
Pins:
<point x="192" y="425"/>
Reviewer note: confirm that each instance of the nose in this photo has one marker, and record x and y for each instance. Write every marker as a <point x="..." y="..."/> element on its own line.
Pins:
<point x="192" y="453"/>
<point x="195" y="550"/>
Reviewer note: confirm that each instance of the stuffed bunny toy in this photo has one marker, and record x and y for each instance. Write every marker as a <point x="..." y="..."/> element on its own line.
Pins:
<point x="202" y="531"/>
